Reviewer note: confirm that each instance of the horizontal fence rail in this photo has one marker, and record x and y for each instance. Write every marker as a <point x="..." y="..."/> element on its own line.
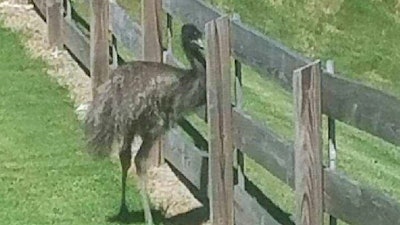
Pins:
<point x="345" y="100"/>
<point x="343" y="198"/>
<point x="348" y="101"/>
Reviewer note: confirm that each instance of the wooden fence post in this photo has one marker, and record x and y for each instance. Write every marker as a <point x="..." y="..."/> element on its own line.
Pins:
<point x="54" y="23"/>
<point x="99" y="46"/>
<point x="152" y="30"/>
<point x="308" y="149"/>
<point x="152" y="51"/>
<point x="220" y="121"/>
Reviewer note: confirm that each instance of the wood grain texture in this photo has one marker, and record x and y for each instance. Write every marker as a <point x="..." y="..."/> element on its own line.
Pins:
<point x="54" y="23"/>
<point x="343" y="198"/>
<point x="152" y="51"/>
<point x="249" y="211"/>
<point x="263" y="145"/>
<point x="185" y="157"/>
<point x="41" y="6"/>
<point x="361" y="106"/>
<point x="126" y="30"/>
<point x="355" y="203"/>
<point x="345" y="100"/>
<point x="152" y="30"/>
<point x="99" y="46"/>
<point x="308" y="148"/>
<point x="219" y="121"/>
<point x="266" y="55"/>
<point x="76" y="42"/>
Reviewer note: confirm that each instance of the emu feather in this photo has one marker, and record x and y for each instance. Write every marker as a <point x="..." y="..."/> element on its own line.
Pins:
<point x="145" y="99"/>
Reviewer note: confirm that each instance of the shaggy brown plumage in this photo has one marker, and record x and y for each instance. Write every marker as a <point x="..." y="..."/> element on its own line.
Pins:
<point x="145" y="99"/>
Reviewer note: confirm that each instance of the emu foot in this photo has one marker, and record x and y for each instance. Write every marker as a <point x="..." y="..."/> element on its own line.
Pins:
<point x="123" y="216"/>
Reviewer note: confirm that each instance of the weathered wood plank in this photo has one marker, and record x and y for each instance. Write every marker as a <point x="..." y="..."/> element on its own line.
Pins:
<point x="264" y="146"/>
<point x="345" y="199"/>
<point x="186" y="158"/>
<point x="357" y="204"/>
<point x="152" y="51"/>
<point x="248" y="210"/>
<point x="384" y="122"/>
<point x="126" y="31"/>
<point x="54" y="22"/>
<point x="80" y="20"/>
<point x="275" y="154"/>
<point x="76" y="42"/>
<point x="343" y="99"/>
<point x="99" y="46"/>
<point x="308" y="145"/>
<point x="41" y="6"/>
<point x="79" y="45"/>
<point x="249" y="46"/>
<point x="152" y="30"/>
<point x="219" y="121"/>
<point x="361" y="106"/>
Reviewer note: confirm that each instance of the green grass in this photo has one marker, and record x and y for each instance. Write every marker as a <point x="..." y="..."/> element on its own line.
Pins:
<point x="361" y="36"/>
<point x="45" y="175"/>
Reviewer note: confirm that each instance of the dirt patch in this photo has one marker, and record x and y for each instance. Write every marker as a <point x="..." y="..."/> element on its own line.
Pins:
<point x="167" y="193"/>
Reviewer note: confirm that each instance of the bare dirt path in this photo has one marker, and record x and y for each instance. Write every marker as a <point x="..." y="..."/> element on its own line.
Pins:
<point x="167" y="193"/>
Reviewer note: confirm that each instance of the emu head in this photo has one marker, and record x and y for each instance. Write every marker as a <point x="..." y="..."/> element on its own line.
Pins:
<point x="192" y="43"/>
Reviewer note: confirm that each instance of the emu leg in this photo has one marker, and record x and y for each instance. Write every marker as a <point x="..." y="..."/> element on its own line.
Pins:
<point x="141" y="169"/>
<point x="125" y="156"/>
<point x="145" y="201"/>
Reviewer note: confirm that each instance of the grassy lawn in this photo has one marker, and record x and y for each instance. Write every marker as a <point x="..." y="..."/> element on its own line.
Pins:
<point x="361" y="36"/>
<point x="45" y="176"/>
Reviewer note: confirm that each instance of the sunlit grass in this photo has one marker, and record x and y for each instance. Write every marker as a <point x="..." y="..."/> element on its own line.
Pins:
<point x="46" y="177"/>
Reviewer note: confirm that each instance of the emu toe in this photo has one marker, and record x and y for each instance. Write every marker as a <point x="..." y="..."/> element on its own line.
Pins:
<point x="123" y="216"/>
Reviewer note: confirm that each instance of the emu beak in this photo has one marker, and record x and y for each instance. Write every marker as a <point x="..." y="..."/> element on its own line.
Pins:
<point x="199" y="43"/>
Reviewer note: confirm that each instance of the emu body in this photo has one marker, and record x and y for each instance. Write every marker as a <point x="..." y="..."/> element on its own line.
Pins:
<point x="142" y="105"/>
<point x="145" y="99"/>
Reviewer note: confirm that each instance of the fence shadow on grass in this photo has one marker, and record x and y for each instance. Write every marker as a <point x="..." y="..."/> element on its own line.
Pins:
<point x="195" y="216"/>
<point x="134" y="217"/>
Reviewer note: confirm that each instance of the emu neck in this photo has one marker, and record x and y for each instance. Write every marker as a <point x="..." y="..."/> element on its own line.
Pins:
<point x="195" y="58"/>
<point x="192" y="89"/>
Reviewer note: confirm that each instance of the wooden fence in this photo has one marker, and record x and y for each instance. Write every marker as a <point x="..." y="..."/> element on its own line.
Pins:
<point x="297" y="164"/>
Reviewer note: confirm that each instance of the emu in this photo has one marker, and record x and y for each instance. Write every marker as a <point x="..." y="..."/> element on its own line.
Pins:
<point x="145" y="99"/>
